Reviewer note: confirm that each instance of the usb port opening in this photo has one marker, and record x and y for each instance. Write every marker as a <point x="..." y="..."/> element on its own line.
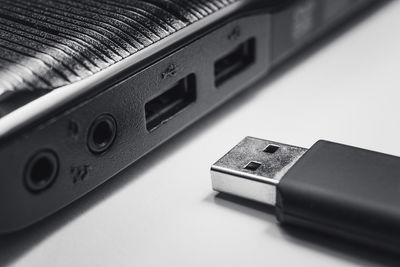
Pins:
<point x="235" y="62"/>
<point x="162" y="108"/>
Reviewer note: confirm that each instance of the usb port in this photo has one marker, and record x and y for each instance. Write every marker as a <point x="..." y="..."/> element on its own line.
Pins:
<point x="235" y="62"/>
<point x="165" y="106"/>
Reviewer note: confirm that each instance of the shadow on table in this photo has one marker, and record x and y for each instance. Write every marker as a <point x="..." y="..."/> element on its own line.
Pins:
<point x="14" y="246"/>
<point x="322" y="243"/>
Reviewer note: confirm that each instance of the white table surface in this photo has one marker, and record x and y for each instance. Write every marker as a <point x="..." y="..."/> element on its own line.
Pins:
<point x="162" y="211"/>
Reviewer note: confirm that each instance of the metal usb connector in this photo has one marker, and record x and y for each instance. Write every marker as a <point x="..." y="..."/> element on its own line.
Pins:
<point x="253" y="168"/>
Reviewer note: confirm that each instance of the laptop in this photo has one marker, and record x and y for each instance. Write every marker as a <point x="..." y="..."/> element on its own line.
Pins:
<point x="89" y="87"/>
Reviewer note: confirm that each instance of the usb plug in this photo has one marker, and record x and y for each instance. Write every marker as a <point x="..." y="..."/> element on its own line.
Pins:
<point x="253" y="169"/>
<point x="337" y="189"/>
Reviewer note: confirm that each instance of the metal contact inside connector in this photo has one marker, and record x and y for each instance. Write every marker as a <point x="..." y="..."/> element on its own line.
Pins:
<point x="253" y="166"/>
<point x="271" y="149"/>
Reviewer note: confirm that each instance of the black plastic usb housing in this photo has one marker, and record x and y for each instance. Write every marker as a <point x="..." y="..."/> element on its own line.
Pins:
<point x="337" y="189"/>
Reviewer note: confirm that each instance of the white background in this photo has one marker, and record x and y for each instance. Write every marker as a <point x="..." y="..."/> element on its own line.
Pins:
<point x="162" y="211"/>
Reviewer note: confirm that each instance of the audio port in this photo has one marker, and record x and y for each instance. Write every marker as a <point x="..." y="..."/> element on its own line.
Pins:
<point x="102" y="134"/>
<point x="41" y="171"/>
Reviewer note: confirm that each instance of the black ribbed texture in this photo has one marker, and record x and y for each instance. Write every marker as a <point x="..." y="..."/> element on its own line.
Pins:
<point x="46" y="44"/>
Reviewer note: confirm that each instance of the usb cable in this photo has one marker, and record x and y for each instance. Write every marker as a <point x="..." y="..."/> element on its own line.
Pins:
<point x="333" y="188"/>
